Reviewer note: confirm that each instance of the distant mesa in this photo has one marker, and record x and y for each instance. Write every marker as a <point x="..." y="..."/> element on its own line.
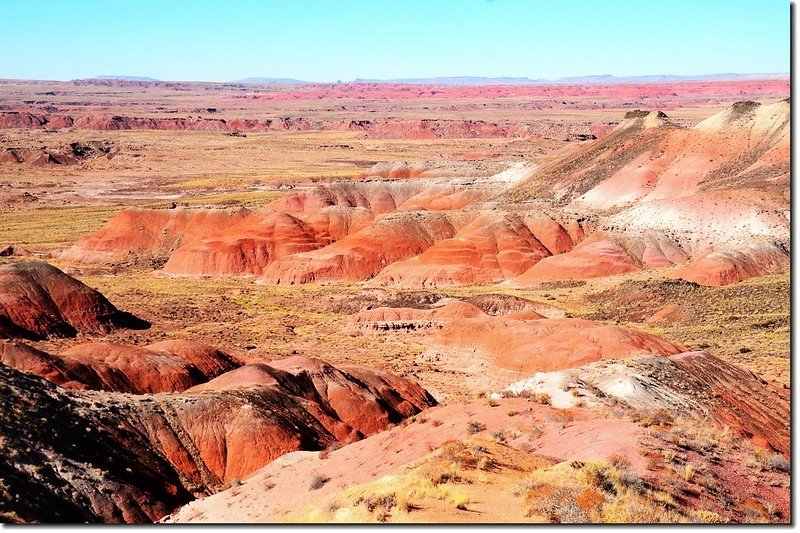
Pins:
<point x="602" y="79"/>
<point x="289" y="81"/>
<point x="125" y="78"/>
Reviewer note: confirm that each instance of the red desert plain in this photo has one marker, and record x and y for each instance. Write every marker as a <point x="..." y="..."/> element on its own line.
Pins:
<point x="395" y="302"/>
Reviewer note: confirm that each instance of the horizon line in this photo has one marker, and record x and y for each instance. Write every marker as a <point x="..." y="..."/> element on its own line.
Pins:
<point x="519" y="80"/>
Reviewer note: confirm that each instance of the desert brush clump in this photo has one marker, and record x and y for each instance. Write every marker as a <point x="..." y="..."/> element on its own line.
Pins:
<point x="766" y="460"/>
<point x="595" y="492"/>
<point x="475" y="427"/>
<point x="459" y="500"/>
<point x="318" y="481"/>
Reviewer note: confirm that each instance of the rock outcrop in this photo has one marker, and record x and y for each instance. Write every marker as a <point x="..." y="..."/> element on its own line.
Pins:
<point x="411" y="319"/>
<point x="38" y="301"/>
<point x="526" y="343"/>
<point x="113" y="457"/>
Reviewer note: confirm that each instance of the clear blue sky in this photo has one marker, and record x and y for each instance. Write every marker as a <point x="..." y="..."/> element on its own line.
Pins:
<point x="329" y="40"/>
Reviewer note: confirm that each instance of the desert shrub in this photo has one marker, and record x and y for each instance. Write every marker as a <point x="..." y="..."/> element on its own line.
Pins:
<point x="542" y="398"/>
<point x="478" y="450"/>
<point x="594" y="474"/>
<point x="708" y="517"/>
<point x="653" y="463"/>
<point x="499" y="436"/>
<point x="669" y="455"/>
<point x="440" y="472"/>
<point x="318" y="481"/>
<point x="404" y="502"/>
<point x="484" y="463"/>
<point x="525" y="486"/>
<point x="458" y="455"/>
<point x="332" y="506"/>
<point x="771" y="461"/>
<point x="689" y="472"/>
<point x="383" y="502"/>
<point x="232" y="483"/>
<point x="610" y="479"/>
<point x="459" y="500"/>
<point x="475" y="427"/>
<point x="619" y="461"/>
<point x="590" y="500"/>
<point x="560" y="506"/>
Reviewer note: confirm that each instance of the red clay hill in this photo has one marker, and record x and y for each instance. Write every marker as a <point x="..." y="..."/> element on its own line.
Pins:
<point x="699" y="202"/>
<point x="38" y="301"/>
<point x="150" y="453"/>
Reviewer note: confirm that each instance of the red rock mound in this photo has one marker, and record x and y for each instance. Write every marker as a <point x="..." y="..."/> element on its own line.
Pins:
<point x="595" y="257"/>
<point x="493" y="247"/>
<point x="169" y="366"/>
<point x="742" y="400"/>
<point x="647" y="157"/>
<point x="214" y="242"/>
<point x="361" y="255"/>
<point x="527" y="314"/>
<point x="207" y="359"/>
<point x="38" y="300"/>
<point x="365" y="399"/>
<point x="394" y="170"/>
<point x="244" y="248"/>
<point x="383" y="196"/>
<point x="410" y="319"/>
<point x="726" y="267"/>
<point x="148" y="454"/>
<point x="399" y="449"/>
<point x="27" y="359"/>
<point x="250" y="416"/>
<point x="505" y="304"/>
<point x="670" y="314"/>
<point x="14" y="250"/>
<point x="718" y="186"/>
<point x="137" y="233"/>
<point x="529" y="345"/>
<point x="91" y="461"/>
<point x="263" y="237"/>
<point x="166" y="366"/>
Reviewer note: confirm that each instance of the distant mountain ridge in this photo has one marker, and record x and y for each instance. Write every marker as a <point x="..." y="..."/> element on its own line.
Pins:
<point x="269" y="80"/>
<point x="502" y="80"/>
<point x="125" y="78"/>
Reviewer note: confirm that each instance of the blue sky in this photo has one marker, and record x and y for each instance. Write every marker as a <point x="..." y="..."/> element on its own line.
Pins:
<point x="329" y="40"/>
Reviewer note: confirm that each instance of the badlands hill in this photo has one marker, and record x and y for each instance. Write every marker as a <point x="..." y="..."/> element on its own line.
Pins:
<point x="511" y="458"/>
<point x="642" y="197"/>
<point x="40" y="301"/>
<point x="108" y="457"/>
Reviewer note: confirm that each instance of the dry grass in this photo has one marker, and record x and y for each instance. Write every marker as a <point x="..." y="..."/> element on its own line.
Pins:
<point x="43" y="230"/>
<point x="596" y="493"/>
<point x="448" y="485"/>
